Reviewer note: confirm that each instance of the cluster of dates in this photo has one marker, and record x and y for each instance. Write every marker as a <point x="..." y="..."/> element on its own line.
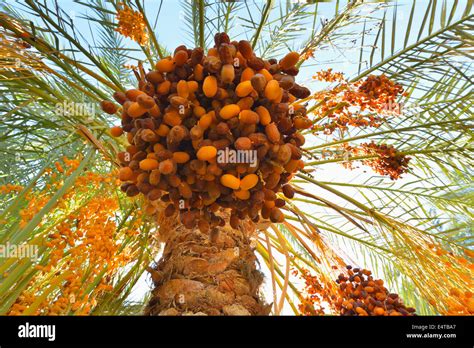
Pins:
<point x="214" y="131"/>
<point x="362" y="295"/>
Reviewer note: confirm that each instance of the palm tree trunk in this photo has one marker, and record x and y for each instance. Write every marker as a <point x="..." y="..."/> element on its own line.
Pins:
<point x="212" y="273"/>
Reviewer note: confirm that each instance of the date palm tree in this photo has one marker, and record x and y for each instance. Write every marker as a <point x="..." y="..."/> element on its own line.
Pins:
<point x="94" y="245"/>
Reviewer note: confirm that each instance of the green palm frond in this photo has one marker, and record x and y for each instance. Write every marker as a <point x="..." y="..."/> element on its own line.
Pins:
<point x="196" y="17"/>
<point x="286" y="28"/>
<point x="219" y="17"/>
<point x="329" y="34"/>
<point x="110" y="46"/>
<point x="434" y="67"/>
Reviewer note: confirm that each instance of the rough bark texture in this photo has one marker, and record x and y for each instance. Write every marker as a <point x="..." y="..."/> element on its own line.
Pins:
<point x="211" y="273"/>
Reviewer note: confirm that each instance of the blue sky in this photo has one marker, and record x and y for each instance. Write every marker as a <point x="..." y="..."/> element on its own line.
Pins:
<point x="172" y="29"/>
<point x="171" y="25"/>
